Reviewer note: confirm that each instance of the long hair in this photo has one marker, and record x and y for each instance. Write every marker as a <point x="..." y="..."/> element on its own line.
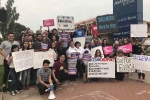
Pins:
<point x="28" y="48"/>
<point x="103" y="43"/>
<point x="96" y="53"/>
<point x="89" y="47"/>
<point x="12" y="49"/>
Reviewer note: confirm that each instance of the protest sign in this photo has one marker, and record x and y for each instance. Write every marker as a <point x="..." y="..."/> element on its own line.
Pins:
<point x="147" y="42"/>
<point x="107" y="23"/>
<point x="44" y="46"/>
<point x="80" y="39"/>
<point x="65" y="37"/>
<point x="39" y="57"/>
<point x="139" y="30"/>
<point x="125" y="64"/>
<point x="126" y="48"/>
<point x="86" y="57"/>
<point x="96" y="48"/>
<point x="108" y="50"/>
<point x="48" y="22"/>
<point x="142" y="62"/>
<point x="74" y="55"/>
<point x="65" y="23"/>
<point x="102" y="69"/>
<point x="72" y="67"/>
<point x="23" y="60"/>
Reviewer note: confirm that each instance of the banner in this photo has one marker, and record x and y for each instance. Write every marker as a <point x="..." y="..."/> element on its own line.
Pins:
<point x="142" y="62"/>
<point x="125" y="64"/>
<point x="107" y="23"/>
<point x="102" y="69"/>
<point x="23" y="60"/>
<point x="48" y="22"/>
<point x="65" y="23"/>
<point x="86" y="57"/>
<point x="139" y="30"/>
<point x="108" y="50"/>
<point x="126" y="48"/>
<point x="94" y="50"/>
<point x="80" y="39"/>
<point x="39" y="57"/>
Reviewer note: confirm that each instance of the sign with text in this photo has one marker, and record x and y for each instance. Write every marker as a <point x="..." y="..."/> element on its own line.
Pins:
<point x="142" y="62"/>
<point x="108" y="50"/>
<point x="138" y="30"/>
<point x="23" y="60"/>
<point x="126" y="48"/>
<point x="102" y="69"/>
<point x="48" y="22"/>
<point x="39" y="57"/>
<point x="80" y="39"/>
<point x="65" y="23"/>
<point x="125" y="64"/>
<point x="107" y="23"/>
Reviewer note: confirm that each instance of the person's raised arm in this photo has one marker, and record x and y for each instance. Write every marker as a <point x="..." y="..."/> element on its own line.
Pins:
<point x="131" y="40"/>
<point x="1" y="50"/>
<point x="143" y="41"/>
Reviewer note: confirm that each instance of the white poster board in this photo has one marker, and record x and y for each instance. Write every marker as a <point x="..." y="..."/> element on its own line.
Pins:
<point x="81" y="40"/>
<point x="125" y="64"/>
<point x="23" y="60"/>
<point x="102" y="69"/>
<point x="65" y="23"/>
<point x="138" y="30"/>
<point x="39" y="57"/>
<point x="93" y="50"/>
<point x="142" y="62"/>
<point x="147" y="42"/>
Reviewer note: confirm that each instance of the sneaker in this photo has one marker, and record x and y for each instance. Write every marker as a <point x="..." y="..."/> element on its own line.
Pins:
<point x="139" y="80"/>
<point x="16" y="91"/>
<point x="13" y="93"/>
<point x="4" y="89"/>
<point x="51" y="96"/>
<point x="142" y="80"/>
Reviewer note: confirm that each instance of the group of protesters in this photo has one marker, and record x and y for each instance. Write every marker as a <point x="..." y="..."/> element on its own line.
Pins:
<point x="48" y="77"/>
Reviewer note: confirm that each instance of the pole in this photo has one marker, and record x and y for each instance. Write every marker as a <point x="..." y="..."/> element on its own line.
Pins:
<point x="0" y="4"/>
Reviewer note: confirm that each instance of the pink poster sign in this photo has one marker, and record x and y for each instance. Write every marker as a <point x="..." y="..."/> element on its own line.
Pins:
<point x="48" y="22"/>
<point x="108" y="50"/>
<point x="126" y="48"/>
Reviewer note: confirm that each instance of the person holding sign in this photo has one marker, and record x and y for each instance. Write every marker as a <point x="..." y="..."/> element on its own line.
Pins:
<point x="44" y="81"/>
<point x="141" y="72"/>
<point x="64" y="39"/>
<point x="87" y="47"/>
<point x="59" y="70"/>
<point x="119" y="75"/>
<point x="44" y="44"/>
<point x="14" y="75"/>
<point x="25" y="73"/>
<point x="72" y="55"/>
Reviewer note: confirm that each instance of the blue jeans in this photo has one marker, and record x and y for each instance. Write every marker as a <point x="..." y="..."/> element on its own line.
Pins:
<point x="15" y="78"/>
<point x="26" y="77"/>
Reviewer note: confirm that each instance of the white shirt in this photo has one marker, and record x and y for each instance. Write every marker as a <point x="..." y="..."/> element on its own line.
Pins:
<point x="71" y="50"/>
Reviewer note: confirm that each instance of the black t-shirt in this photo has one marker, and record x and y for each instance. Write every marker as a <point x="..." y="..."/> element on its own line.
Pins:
<point x="136" y="48"/>
<point x="36" y="45"/>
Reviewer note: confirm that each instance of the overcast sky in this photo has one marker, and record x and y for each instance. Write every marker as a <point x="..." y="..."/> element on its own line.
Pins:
<point x="32" y="12"/>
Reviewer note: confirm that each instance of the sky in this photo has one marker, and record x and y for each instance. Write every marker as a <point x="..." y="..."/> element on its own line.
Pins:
<point x="33" y="12"/>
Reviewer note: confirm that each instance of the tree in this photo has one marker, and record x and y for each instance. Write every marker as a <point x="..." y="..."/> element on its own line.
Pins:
<point x="12" y="16"/>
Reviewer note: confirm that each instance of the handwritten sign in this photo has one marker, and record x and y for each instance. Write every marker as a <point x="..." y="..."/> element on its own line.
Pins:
<point x="108" y="50"/>
<point x="126" y="48"/>
<point x="65" y="23"/>
<point x="142" y="62"/>
<point x="96" y="48"/>
<point x="48" y="22"/>
<point x="139" y="30"/>
<point x="23" y="60"/>
<point x="39" y="57"/>
<point x="125" y="64"/>
<point x="80" y="39"/>
<point x="102" y="69"/>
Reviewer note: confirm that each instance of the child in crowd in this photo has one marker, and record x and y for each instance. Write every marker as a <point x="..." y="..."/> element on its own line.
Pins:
<point x="44" y="81"/>
<point x="25" y="73"/>
<point x="86" y="58"/>
<point x="14" y="75"/>
<point x="141" y="72"/>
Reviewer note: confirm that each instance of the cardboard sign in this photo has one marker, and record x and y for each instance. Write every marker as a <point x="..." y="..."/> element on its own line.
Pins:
<point x="23" y="60"/>
<point x="125" y="64"/>
<point x="126" y="48"/>
<point x="48" y="22"/>
<point x="139" y="30"/>
<point x="65" y="23"/>
<point x="108" y="50"/>
<point x="107" y="23"/>
<point x="102" y="69"/>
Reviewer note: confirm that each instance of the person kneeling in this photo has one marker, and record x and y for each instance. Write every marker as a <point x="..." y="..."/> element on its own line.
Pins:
<point x="44" y="82"/>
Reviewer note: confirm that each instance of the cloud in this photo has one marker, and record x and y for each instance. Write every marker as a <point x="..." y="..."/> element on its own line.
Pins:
<point x="32" y="12"/>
